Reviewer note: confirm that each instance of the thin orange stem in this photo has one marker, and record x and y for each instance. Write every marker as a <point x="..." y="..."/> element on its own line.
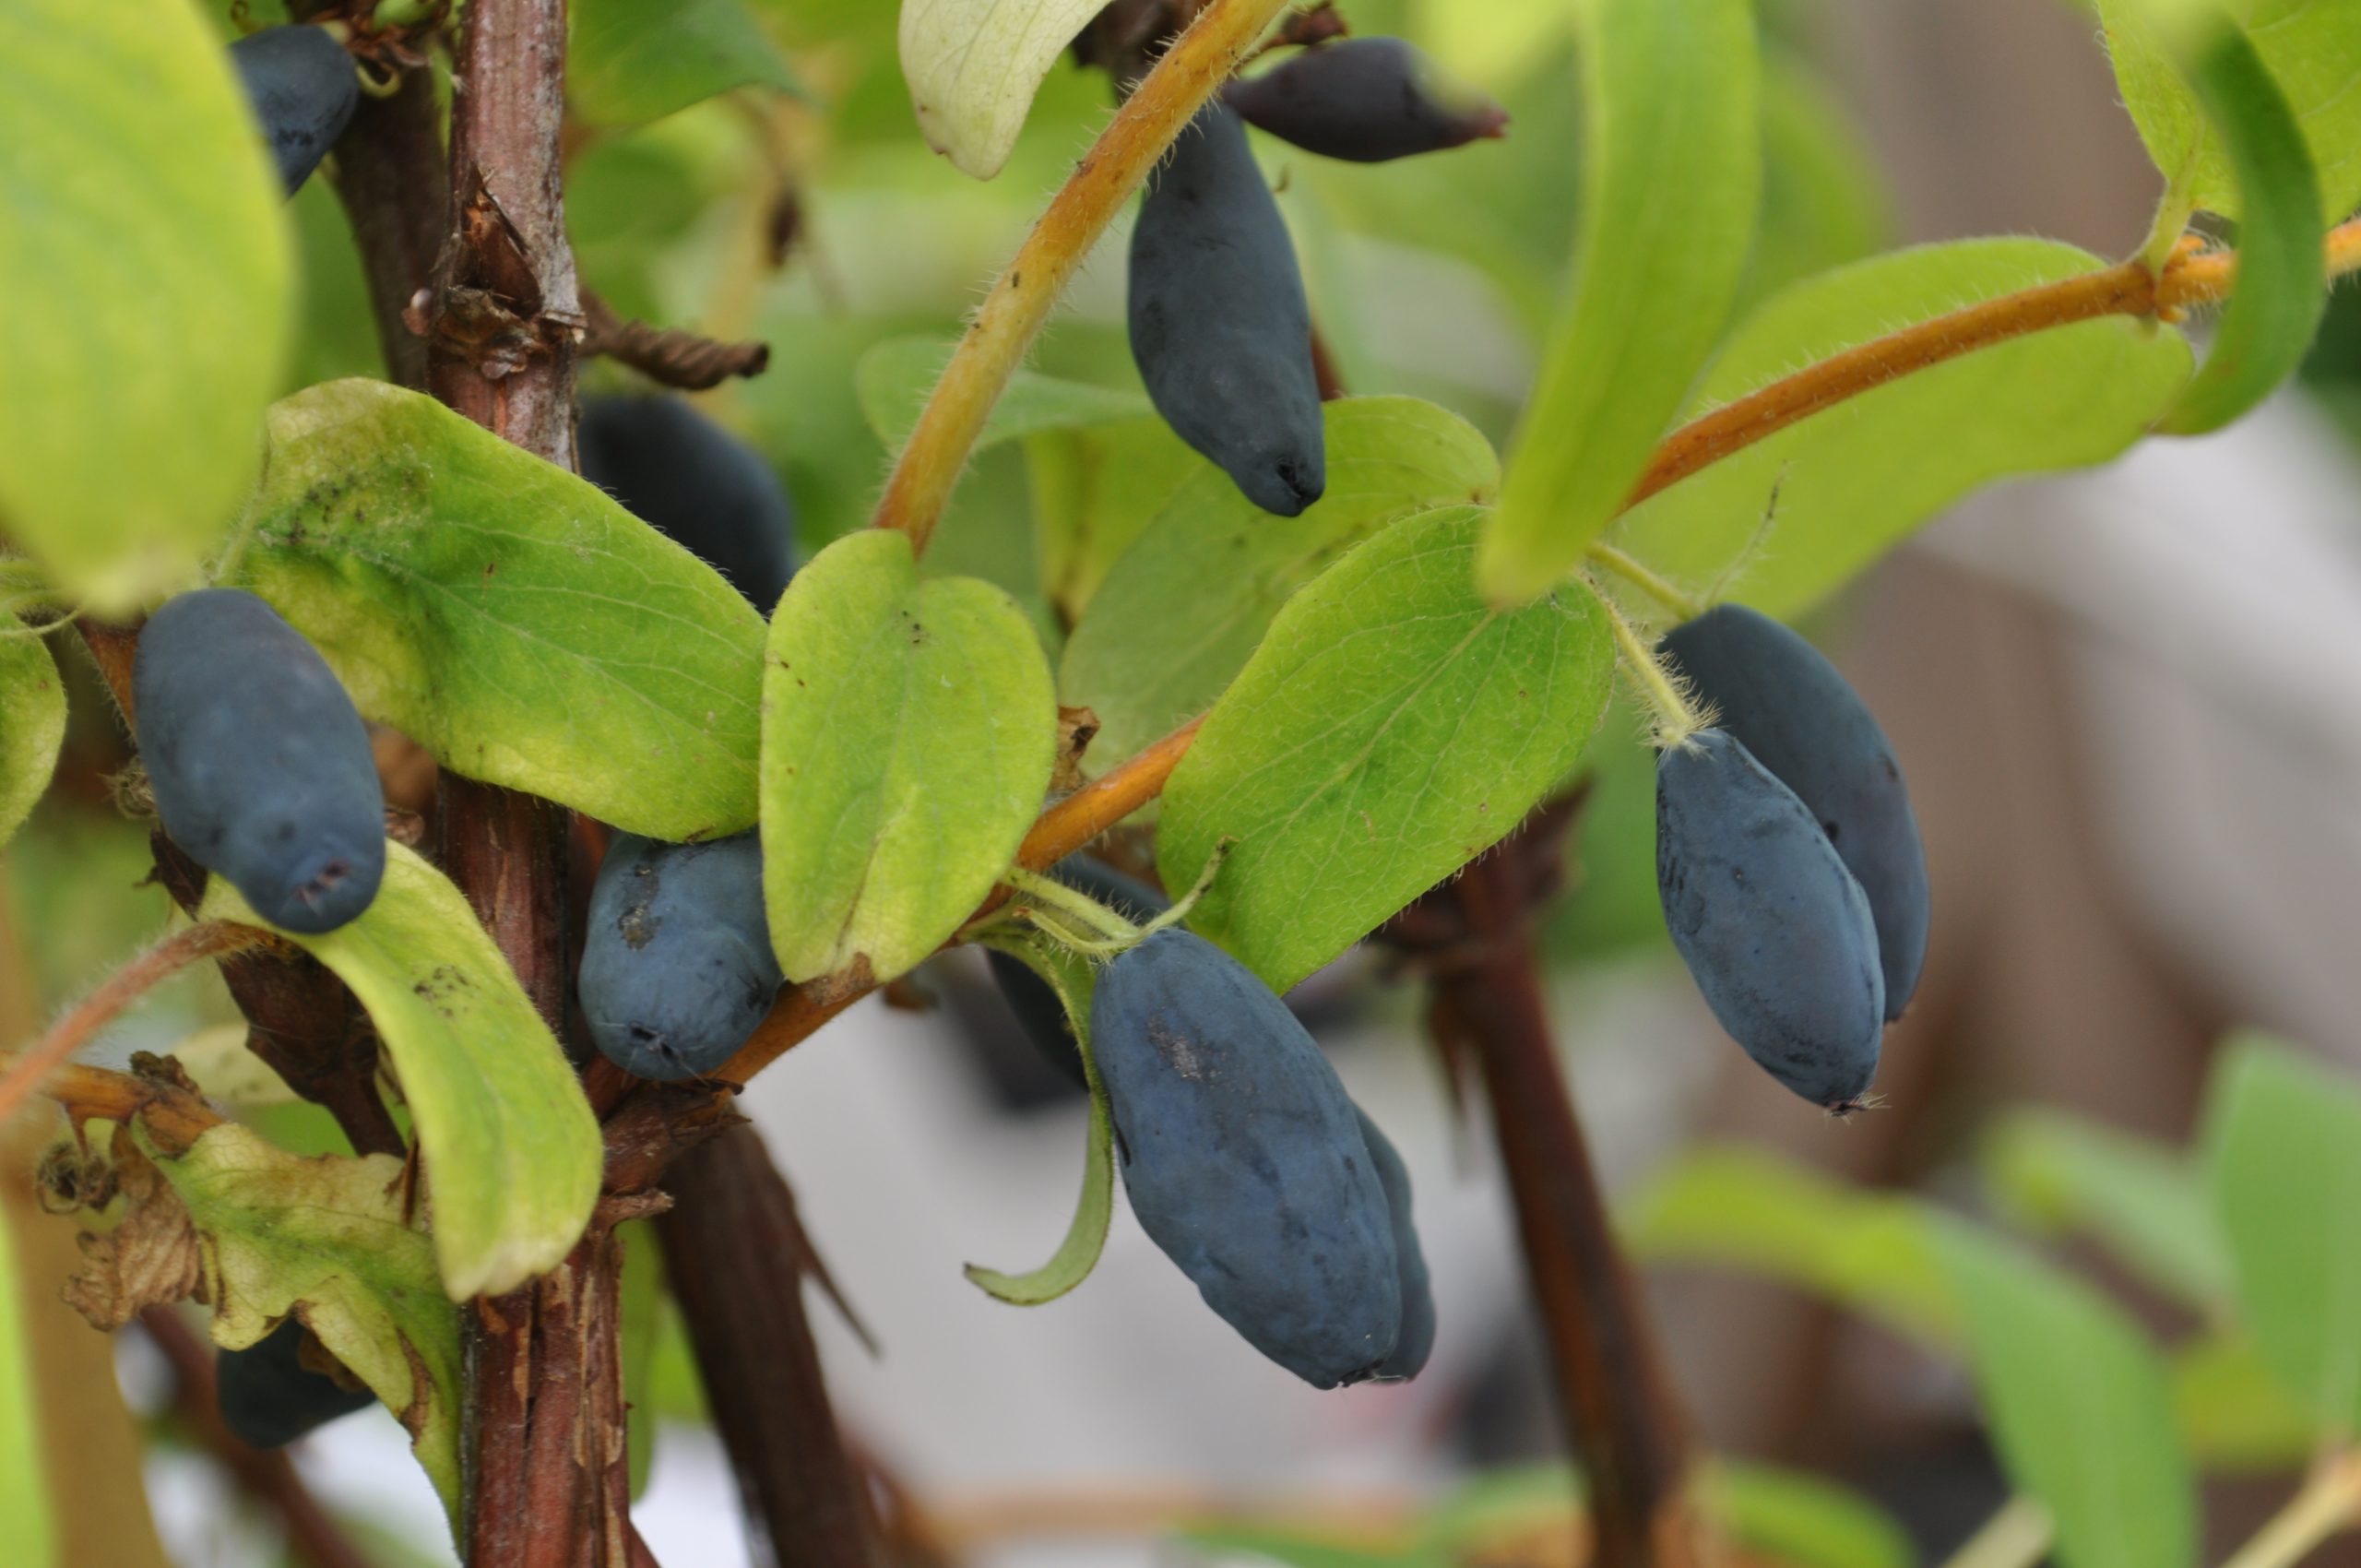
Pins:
<point x="2192" y="277"/>
<point x="1019" y="305"/>
<point x="27" y="1073"/>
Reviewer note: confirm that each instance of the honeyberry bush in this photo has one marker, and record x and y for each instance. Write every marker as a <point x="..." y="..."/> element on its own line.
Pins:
<point x="1322" y="651"/>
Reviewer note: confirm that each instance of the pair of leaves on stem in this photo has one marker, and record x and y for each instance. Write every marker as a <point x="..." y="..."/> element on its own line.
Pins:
<point x="2236" y="102"/>
<point x="2253" y="1235"/>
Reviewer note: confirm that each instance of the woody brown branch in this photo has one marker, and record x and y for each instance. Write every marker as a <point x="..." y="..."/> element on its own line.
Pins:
<point x="667" y="356"/>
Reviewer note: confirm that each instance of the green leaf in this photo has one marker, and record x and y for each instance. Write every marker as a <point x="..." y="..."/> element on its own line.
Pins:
<point x="1800" y="1521"/>
<point x="1672" y="176"/>
<point x="33" y="723"/>
<point x="24" y="1487"/>
<point x="2232" y="1411"/>
<point x="2079" y="1405"/>
<point x="512" y="1155"/>
<point x="1185" y="608"/>
<point x="908" y="734"/>
<point x="1855" y="480"/>
<point x="506" y="615"/>
<point x="2312" y="51"/>
<point x="895" y="379"/>
<point x="1095" y="491"/>
<point x="1070" y="976"/>
<point x="1511" y="1501"/>
<point x="974" y="66"/>
<point x="148" y="268"/>
<point x="2282" y="283"/>
<point x="1738" y="1208"/>
<point x="2284" y="1140"/>
<point x="326" y="1239"/>
<point x="632" y="61"/>
<point x="1392" y="727"/>
<point x="2141" y="1200"/>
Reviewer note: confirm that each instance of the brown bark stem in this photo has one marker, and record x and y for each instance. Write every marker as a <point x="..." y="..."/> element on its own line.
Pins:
<point x="545" y="1406"/>
<point x="389" y="175"/>
<point x="268" y="1477"/>
<point x="735" y="1255"/>
<point x="1619" y="1406"/>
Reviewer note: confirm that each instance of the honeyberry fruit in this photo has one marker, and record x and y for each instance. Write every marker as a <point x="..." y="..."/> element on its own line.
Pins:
<point x="1772" y="927"/>
<point x="269" y="1397"/>
<point x="303" y="89"/>
<point x="695" y="483"/>
<point x="677" y="966"/>
<point x="1787" y="706"/>
<point x="258" y="761"/>
<point x="1220" y="326"/>
<point x="1244" y="1159"/>
<point x="1417" y="1339"/>
<point x="1364" y="100"/>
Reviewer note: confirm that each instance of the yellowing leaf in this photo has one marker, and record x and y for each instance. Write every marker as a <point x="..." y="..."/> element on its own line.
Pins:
<point x="325" y="1239"/>
<point x="33" y="723"/>
<point x="512" y="1155"/>
<point x="974" y="66"/>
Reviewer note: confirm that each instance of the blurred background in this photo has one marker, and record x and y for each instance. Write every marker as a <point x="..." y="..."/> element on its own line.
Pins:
<point x="2124" y="700"/>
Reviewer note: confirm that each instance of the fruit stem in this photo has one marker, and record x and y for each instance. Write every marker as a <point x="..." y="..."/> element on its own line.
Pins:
<point x="1014" y="313"/>
<point x="1080" y="907"/>
<point x="1662" y="589"/>
<point x="1676" y="720"/>
<point x="1188" y="901"/>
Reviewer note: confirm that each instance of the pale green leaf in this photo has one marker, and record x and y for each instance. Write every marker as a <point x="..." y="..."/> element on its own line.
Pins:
<point x="146" y="266"/>
<point x="2311" y="47"/>
<point x="895" y="379"/>
<point x="974" y="66"/>
<point x="1853" y="479"/>
<point x="1742" y="1210"/>
<point x="326" y="1239"/>
<point x="1187" y="605"/>
<point x="512" y="1155"/>
<point x="1284" y="1548"/>
<point x="632" y="61"/>
<point x="1392" y="727"/>
<point x="2143" y="1201"/>
<point x="1071" y="979"/>
<point x="2079" y="1406"/>
<point x="1672" y="176"/>
<point x="908" y="730"/>
<point x="33" y="723"/>
<point x="24" y="1484"/>
<point x="1096" y="489"/>
<point x="2282" y="283"/>
<point x="2284" y="1139"/>
<point x="508" y="616"/>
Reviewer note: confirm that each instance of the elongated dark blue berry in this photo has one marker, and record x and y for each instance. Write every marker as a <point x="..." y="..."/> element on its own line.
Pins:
<point x="677" y="966"/>
<point x="1245" y="1158"/>
<point x="1416" y="1340"/>
<point x="1220" y="326"/>
<point x="269" y="1397"/>
<point x="1786" y="703"/>
<point x="695" y="483"/>
<point x="1772" y="927"/>
<point x="1365" y="100"/>
<point x="303" y="89"/>
<point x="258" y="761"/>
